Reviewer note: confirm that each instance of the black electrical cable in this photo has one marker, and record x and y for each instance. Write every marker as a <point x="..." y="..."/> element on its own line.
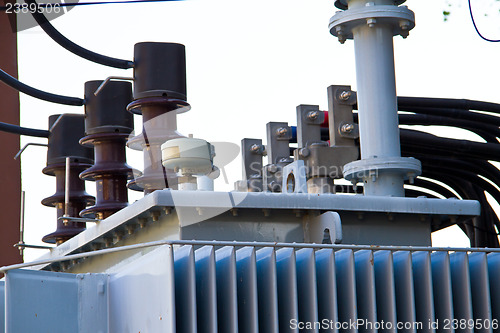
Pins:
<point x="471" y="149"/>
<point x="444" y="103"/>
<point x="455" y="113"/>
<point x="470" y="177"/>
<point x="24" y="88"/>
<point x="488" y="132"/>
<point x="9" y="128"/>
<point x="429" y="120"/>
<point x="482" y="168"/>
<point x="447" y="103"/>
<point x="443" y="191"/>
<point x="468" y="191"/>
<point x="75" y="48"/>
<point x="477" y="30"/>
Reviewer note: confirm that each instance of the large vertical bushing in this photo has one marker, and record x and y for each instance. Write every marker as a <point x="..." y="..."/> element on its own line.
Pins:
<point x="65" y="133"/>
<point x="159" y="95"/>
<point x="107" y="127"/>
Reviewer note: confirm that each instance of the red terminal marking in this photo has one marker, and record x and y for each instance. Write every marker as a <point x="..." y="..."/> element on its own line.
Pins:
<point x="325" y="122"/>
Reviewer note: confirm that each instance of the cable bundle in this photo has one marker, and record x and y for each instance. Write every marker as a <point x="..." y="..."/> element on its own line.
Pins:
<point x="462" y="165"/>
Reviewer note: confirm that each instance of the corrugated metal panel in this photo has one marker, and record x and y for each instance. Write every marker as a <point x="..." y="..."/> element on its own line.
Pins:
<point x="443" y="299"/>
<point x="227" y="302"/>
<point x="288" y="289"/>
<point x="404" y="289"/>
<point x="288" y="307"/>
<point x="424" y="296"/>
<point x="185" y="290"/>
<point x="267" y="290"/>
<point x="346" y="288"/>
<point x="206" y="289"/>
<point x="480" y="289"/>
<point x="460" y="286"/>
<point x="494" y="275"/>
<point x="385" y="291"/>
<point x="248" y="307"/>
<point x="327" y="288"/>
<point x="365" y="287"/>
<point x="306" y="287"/>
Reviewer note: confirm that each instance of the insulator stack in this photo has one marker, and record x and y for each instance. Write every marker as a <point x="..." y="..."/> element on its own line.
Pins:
<point x="65" y="132"/>
<point x="159" y="95"/>
<point x="107" y="127"/>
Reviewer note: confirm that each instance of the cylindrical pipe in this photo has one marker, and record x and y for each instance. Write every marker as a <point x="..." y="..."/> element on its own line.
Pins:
<point x="375" y="77"/>
<point x="381" y="166"/>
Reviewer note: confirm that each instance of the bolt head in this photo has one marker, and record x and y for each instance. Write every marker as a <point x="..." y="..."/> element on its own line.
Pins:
<point x="313" y="115"/>
<point x="371" y="22"/>
<point x="255" y="148"/>
<point x="304" y="152"/>
<point x="273" y="168"/>
<point x="282" y="131"/>
<point x="347" y="128"/>
<point x="345" y="95"/>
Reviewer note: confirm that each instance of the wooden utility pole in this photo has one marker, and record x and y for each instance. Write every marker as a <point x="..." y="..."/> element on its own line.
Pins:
<point x="10" y="169"/>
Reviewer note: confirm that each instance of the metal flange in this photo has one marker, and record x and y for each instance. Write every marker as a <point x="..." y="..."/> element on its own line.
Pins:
<point x="342" y="4"/>
<point x="408" y="167"/>
<point x="401" y="19"/>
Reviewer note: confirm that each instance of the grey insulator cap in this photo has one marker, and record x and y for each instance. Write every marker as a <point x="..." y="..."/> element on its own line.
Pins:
<point x="160" y="70"/>
<point x="107" y="112"/>
<point x="66" y="130"/>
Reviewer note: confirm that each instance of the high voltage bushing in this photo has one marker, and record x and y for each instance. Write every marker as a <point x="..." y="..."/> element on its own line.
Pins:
<point x="159" y="95"/>
<point x="107" y="127"/>
<point x="65" y="132"/>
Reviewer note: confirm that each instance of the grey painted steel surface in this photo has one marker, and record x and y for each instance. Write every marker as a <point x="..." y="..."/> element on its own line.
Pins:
<point x="480" y="287"/>
<point x="141" y="294"/>
<point x="365" y="288"/>
<point x="422" y="280"/>
<point x="227" y="300"/>
<point x="37" y="301"/>
<point x="384" y="289"/>
<point x="443" y="298"/>
<point x="286" y="273"/>
<point x="266" y="288"/>
<point x="248" y="307"/>
<point x="170" y="214"/>
<point x="206" y="289"/>
<point x="185" y="289"/>
<point x="460" y="283"/>
<point x="404" y="288"/>
<point x="307" y="286"/>
<point x="326" y="287"/>
<point x="346" y="294"/>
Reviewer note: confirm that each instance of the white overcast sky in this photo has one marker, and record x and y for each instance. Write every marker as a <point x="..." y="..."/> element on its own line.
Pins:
<point x="248" y="63"/>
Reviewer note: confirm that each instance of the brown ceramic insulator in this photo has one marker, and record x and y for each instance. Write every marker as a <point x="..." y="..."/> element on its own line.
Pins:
<point x="110" y="172"/>
<point x="78" y="200"/>
<point x="158" y="127"/>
